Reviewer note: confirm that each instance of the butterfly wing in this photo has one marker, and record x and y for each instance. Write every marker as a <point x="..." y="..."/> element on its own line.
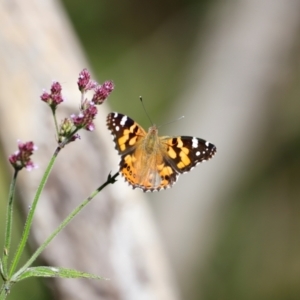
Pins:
<point x="185" y="152"/>
<point x="128" y="136"/>
<point x="155" y="163"/>
<point x="126" y="132"/>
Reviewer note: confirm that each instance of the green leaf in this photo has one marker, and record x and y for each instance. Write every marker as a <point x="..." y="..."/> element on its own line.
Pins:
<point x="55" y="272"/>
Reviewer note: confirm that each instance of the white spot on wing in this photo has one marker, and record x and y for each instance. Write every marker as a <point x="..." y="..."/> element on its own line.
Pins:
<point x="198" y="153"/>
<point x="115" y="115"/>
<point x="194" y="142"/>
<point x="123" y="121"/>
<point x="117" y="128"/>
<point x="207" y="144"/>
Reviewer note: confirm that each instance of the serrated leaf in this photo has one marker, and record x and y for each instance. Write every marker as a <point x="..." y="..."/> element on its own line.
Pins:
<point x="55" y="272"/>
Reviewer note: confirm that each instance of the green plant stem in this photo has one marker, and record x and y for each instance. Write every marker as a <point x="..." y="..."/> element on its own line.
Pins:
<point x="8" y="225"/>
<point x="55" y="120"/>
<point x="110" y="180"/>
<point x="1" y="271"/>
<point x="28" y="223"/>
<point x="3" y="294"/>
<point x="4" y="291"/>
<point x="29" y="219"/>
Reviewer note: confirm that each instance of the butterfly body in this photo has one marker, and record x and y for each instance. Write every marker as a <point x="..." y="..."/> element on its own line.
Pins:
<point x="151" y="162"/>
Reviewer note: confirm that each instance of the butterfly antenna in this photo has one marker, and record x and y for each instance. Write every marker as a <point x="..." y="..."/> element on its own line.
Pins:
<point x="171" y="121"/>
<point x="141" y="99"/>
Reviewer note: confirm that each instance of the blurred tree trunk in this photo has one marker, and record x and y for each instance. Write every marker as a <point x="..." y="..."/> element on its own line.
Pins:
<point x="230" y="94"/>
<point x="115" y="236"/>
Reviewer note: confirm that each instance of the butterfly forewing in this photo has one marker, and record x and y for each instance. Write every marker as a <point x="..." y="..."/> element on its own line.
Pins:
<point x="126" y="132"/>
<point x="186" y="152"/>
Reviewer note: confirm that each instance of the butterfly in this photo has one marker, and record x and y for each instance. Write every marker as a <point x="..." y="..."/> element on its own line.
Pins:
<point x="151" y="162"/>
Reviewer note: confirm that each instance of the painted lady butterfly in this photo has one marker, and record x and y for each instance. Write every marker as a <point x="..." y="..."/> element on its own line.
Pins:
<point x="151" y="162"/>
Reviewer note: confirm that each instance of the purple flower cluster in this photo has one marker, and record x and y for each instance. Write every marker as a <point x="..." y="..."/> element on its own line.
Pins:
<point x="54" y="97"/>
<point x="102" y="92"/>
<point x="67" y="131"/>
<point x="84" y="81"/>
<point x="88" y="108"/>
<point x="21" y="158"/>
<point x="85" y="118"/>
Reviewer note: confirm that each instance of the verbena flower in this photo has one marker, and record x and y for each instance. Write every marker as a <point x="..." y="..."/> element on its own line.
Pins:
<point x="53" y="98"/>
<point x="22" y="157"/>
<point x="85" y="118"/>
<point x="84" y="81"/>
<point x="102" y="92"/>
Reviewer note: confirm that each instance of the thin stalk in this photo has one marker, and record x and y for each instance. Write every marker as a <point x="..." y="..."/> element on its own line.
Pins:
<point x="3" y="294"/>
<point x="28" y="223"/>
<point x="1" y="271"/>
<point x="55" y="120"/>
<point x="8" y="225"/>
<point x="5" y="289"/>
<point x="29" y="219"/>
<point x="110" y="180"/>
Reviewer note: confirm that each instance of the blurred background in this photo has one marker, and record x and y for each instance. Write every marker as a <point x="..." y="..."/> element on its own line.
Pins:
<point x="231" y="227"/>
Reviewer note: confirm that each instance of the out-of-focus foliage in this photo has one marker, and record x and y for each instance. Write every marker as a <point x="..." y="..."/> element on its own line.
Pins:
<point x="142" y="46"/>
<point x="257" y="253"/>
